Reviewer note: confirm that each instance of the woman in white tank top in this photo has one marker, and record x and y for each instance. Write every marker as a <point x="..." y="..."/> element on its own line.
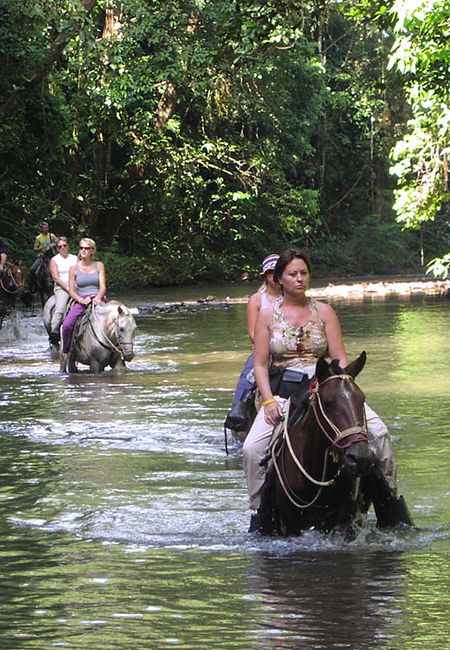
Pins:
<point x="236" y="418"/>
<point x="59" y="267"/>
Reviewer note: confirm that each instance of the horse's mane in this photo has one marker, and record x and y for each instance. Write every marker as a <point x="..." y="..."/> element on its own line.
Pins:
<point x="110" y="310"/>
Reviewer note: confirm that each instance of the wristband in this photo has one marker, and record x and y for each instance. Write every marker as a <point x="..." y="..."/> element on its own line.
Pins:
<point x="268" y="401"/>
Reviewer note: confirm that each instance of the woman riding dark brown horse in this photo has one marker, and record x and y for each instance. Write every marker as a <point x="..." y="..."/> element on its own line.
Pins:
<point x="292" y="336"/>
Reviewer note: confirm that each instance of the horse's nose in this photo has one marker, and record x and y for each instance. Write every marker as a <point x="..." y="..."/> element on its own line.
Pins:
<point x="359" y="461"/>
<point x="128" y="356"/>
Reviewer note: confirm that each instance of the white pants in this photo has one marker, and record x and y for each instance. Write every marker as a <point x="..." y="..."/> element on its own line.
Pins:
<point x="61" y="300"/>
<point x="258" y="438"/>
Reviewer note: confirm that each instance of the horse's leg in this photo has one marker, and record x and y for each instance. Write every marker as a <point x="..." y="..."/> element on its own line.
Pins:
<point x="63" y="362"/>
<point x="118" y="367"/>
<point x="71" y="360"/>
<point x="95" y="366"/>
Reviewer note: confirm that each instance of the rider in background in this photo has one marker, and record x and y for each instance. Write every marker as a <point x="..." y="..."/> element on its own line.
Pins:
<point x="264" y="297"/>
<point x="3" y="257"/>
<point x="59" y="267"/>
<point x="44" y="245"/>
<point x="86" y="284"/>
<point x="294" y="332"/>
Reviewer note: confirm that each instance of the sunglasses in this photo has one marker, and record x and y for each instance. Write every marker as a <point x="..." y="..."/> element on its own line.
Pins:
<point x="300" y="340"/>
<point x="85" y="248"/>
<point x="62" y="245"/>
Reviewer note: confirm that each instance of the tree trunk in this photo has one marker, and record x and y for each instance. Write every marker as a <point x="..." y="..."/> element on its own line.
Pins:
<point x="165" y="107"/>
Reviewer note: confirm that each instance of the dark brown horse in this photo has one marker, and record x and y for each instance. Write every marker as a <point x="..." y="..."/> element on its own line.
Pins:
<point x="12" y="287"/>
<point x="324" y="474"/>
<point x="42" y="281"/>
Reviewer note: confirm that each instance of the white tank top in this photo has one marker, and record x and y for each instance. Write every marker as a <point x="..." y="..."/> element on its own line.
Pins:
<point x="265" y="302"/>
<point x="63" y="265"/>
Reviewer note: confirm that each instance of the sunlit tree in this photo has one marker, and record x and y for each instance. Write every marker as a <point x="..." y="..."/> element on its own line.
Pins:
<point x="421" y="52"/>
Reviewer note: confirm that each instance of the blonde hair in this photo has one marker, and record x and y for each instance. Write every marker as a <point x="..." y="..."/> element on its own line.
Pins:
<point x="90" y="242"/>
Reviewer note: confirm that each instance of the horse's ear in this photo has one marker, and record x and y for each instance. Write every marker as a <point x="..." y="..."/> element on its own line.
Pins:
<point x="119" y="310"/>
<point x="355" y="367"/>
<point x="321" y="369"/>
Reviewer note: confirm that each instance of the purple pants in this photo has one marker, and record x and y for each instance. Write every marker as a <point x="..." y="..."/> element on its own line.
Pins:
<point x="69" y="323"/>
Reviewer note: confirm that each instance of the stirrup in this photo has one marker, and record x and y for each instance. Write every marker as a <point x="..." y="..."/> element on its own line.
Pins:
<point x="237" y="417"/>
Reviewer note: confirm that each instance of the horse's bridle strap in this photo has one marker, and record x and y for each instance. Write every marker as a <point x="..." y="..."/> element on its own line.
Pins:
<point x="13" y="279"/>
<point x="338" y="434"/>
<point x="120" y="350"/>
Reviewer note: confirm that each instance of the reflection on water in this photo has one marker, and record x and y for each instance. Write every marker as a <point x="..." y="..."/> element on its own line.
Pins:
<point x="348" y="600"/>
<point x="124" y="523"/>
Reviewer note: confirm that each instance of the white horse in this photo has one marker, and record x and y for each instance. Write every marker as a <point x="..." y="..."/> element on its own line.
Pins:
<point x="103" y="336"/>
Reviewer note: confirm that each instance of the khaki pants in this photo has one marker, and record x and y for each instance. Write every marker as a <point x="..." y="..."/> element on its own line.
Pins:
<point x="61" y="300"/>
<point x="258" y="438"/>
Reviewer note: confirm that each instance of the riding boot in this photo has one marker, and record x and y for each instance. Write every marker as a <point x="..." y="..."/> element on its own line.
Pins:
<point x="390" y="509"/>
<point x="262" y="521"/>
<point x="237" y="417"/>
<point x="256" y="524"/>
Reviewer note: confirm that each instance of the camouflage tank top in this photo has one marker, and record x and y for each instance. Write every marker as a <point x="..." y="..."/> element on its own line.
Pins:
<point x="302" y="346"/>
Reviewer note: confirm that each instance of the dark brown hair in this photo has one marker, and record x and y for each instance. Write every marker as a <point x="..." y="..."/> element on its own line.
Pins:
<point x="286" y="257"/>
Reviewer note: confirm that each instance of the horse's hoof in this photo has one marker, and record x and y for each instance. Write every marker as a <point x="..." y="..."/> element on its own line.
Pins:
<point x="54" y="338"/>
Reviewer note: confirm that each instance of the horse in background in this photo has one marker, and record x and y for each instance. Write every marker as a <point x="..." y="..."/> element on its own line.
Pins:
<point x="322" y="472"/>
<point x="12" y="287"/>
<point x="41" y="281"/>
<point x="103" y="336"/>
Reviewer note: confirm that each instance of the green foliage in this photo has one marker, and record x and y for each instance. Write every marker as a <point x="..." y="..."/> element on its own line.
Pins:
<point x="440" y="266"/>
<point x="372" y="249"/>
<point x="193" y="137"/>
<point x="421" y="52"/>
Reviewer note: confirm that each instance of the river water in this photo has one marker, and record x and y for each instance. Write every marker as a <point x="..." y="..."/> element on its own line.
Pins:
<point x="123" y="521"/>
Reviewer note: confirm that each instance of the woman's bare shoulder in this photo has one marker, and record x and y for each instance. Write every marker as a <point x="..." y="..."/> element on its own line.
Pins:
<point x="265" y="315"/>
<point x="325" y="310"/>
<point x="255" y="300"/>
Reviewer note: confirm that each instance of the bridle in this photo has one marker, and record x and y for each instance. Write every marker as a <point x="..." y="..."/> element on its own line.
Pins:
<point x="359" y="433"/>
<point x="17" y="285"/>
<point x="120" y="347"/>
